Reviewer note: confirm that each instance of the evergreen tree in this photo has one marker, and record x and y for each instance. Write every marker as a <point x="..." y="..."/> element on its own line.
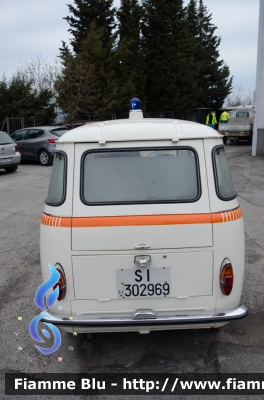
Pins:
<point x="85" y="12"/>
<point x="214" y="75"/>
<point x="91" y="25"/>
<point x="44" y="108"/>
<point x="87" y="83"/>
<point x="18" y="98"/>
<point x="192" y="20"/>
<point x="128" y="54"/>
<point x="124" y="78"/>
<point x="129" y="15"/>
<point x="78" y="88"/>
<point x="169" y="57"/>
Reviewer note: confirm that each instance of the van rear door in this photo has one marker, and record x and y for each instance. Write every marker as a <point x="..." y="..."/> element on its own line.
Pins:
<point x="142" y="204"/>
<point x="155" y="196"/>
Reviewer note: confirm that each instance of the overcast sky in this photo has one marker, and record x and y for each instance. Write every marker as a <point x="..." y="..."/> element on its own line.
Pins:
<point x="32" y="28"/>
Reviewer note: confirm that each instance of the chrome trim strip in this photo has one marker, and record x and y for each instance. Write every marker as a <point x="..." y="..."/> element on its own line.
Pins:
<point x="142" y="246"/>
<point x="216" y="317"/>
<point x="144" y="313"/>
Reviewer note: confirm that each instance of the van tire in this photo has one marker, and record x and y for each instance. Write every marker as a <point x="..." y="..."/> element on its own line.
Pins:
<point x="45" y="158"/>
<point x="224" y="140"/>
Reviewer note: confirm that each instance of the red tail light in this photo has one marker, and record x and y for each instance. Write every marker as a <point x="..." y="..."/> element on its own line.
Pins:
<point x="226" y="277"/>
<point x="52" y="140"/>
<point x="16" y="148"/>
<point x="61" y="284"/>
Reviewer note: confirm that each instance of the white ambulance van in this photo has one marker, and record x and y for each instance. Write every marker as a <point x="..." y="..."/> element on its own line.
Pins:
<point x="143" y="224"/>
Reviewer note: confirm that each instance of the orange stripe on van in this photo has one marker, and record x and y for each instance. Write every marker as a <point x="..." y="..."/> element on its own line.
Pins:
<point x="141" y="220"/>
<point x="57" y="222"/>
<point x="227" y="216"/>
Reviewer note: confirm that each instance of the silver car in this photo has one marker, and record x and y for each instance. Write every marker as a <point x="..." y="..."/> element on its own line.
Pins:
<point x="9" y="153"/>
<point x="38" y="143"/>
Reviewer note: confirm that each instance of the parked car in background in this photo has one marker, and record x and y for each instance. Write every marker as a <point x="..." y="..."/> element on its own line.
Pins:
<point x="38" y="143"/>
<point x="9" y="153"/>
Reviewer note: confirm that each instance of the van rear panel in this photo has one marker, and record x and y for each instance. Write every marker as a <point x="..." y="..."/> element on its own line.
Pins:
<point x="99" y="277"/>
<point x="112" y="221"/>
<point x="173" y="236"/>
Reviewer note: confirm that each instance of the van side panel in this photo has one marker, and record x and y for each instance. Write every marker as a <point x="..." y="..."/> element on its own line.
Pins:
<point x="65" y="209"/>
<point x="55" y="239"/>
<point x="216" y="204"/>
<point x="228" y="236"/>
<point x="55" y="245"/>
<point x="229" y="243"/>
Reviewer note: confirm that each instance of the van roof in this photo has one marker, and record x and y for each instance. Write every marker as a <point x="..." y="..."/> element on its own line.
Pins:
<point x="124" y="130"/>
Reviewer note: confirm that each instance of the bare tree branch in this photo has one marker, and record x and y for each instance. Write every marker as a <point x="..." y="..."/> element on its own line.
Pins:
<point x="41" y="73"/>
<point x="239" y="96"/>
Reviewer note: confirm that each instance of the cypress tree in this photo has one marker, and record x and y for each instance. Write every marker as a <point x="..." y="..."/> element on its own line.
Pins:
<point x="101" y="58"/>
<point x="169" y="57"/>
<point x="124" y="78"/>
<point x="192" y="20"/>
<point x="91" y="25"/>
<point x="85" y="12"/>
<point x="214" y="81"/>
<point x="86" y="85"/>
<point x="78" y="89"/>
<point x="128" y="54"/>
<point x="129" y="15"/>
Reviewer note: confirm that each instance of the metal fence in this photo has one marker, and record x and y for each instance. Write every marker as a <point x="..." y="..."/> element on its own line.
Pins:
<point x="10" y="125"/>
<point x="191" y="116"/>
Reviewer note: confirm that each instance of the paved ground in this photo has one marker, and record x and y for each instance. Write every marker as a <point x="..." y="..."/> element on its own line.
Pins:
<point x="238" y="347"/>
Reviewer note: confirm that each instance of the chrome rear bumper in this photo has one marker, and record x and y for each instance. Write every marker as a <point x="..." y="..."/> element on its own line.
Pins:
<point x="214" y="318"/>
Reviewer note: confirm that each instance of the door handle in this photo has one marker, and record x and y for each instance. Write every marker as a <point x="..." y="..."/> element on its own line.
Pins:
<point x="142" y="246"/>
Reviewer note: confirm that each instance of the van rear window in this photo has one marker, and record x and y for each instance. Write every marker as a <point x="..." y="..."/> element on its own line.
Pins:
<point x="156" y="175"/>
<point x="223" y="180"/>
<point x="57" y="185"/>
<point x="242" y="114"/>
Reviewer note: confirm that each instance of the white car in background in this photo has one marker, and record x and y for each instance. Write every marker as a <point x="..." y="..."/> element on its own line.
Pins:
<point x="10" y="156"/>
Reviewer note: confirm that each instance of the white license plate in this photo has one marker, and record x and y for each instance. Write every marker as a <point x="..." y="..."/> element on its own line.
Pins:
<point x="3" y="160"/>
<point x="143" y="283"/>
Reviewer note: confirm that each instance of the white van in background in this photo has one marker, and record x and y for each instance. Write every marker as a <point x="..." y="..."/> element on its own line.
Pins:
<point x="239" y="126"/>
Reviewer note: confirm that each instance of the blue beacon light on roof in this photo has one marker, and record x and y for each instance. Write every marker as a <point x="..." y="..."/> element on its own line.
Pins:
<point x="135" y="104"/>
<point x="135" y="112"/>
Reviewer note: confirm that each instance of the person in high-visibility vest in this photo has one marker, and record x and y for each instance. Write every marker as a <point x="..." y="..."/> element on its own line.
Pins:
<point x="224" y="117"/>
<point x="211" y="119"/>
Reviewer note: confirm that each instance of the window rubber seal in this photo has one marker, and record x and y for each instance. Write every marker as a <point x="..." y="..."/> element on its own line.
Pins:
<point x="216" y="177"/>
<point x="198" y="177"/>
<point x="64" y="181"/>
